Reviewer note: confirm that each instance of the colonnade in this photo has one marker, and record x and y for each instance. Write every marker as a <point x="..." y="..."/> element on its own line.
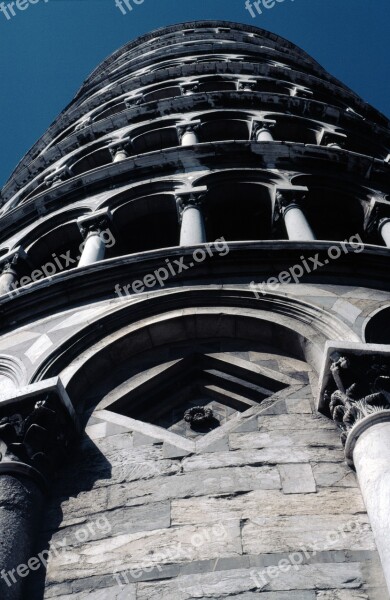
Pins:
<point x="191" y="217"/>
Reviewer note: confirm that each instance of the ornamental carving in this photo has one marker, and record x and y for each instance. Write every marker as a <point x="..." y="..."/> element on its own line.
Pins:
<point x="362" y="388"/>
<point x="11" y="263"/>
<point x="199" y="416"/>
<point x="94" y="226"/>
<point x="40" y="434"/>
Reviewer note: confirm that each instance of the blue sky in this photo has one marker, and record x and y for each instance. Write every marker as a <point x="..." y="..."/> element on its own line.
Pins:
<point x="48" y="49"/>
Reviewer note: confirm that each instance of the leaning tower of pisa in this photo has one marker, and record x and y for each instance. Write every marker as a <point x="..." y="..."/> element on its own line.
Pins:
<point x="194" y="332"/>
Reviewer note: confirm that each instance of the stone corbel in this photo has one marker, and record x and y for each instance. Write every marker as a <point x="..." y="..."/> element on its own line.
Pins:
<point x="38" y="429"/>
<point x="356" y="385"/>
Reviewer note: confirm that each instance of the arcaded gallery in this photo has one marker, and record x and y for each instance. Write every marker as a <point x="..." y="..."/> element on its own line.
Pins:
<point x="195" y="332"/>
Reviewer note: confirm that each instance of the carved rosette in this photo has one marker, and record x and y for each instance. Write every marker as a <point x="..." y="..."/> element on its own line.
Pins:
<point x="360" y="387"/>
<point x="198" y="416"/>
<point x="37" y="434"/>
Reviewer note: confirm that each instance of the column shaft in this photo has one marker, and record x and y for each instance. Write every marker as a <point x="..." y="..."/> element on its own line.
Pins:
<point x="192" y="230"/>
<point x="297" y="225"/>
<point x="94" y="249"/>
<point x="385" y="232"/>
<point x="119" y="156"/>
<point x="264" y="135"/>
<point x="371" y="459"/>
<point x="21" y="503"/>
<point x="189" y="138"/>
<point x="6" y="281"/>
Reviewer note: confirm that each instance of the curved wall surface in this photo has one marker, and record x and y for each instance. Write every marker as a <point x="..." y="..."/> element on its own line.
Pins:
<point x="193" y="296"/>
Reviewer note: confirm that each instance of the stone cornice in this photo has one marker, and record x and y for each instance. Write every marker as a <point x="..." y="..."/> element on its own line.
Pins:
<point x="245" y="261"/>
<point x="284" y="155"/>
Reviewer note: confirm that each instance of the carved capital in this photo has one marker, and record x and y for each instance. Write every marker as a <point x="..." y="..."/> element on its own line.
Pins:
<point x="189" y="88"/>
<point x="356" y="384"/>
<point x="258" y="126"/>
<point x="94" y="223"/>
<point x="289" y="198"/>
<point x="247" y="86"/>
<point x="189" y="199"/>
<point x="188" y="127"/>
<point x="38" y="428"/>
<point x="9" y="263"/>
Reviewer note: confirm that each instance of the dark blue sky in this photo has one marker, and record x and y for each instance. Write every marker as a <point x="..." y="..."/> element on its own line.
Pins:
<point x="48" y="49"/>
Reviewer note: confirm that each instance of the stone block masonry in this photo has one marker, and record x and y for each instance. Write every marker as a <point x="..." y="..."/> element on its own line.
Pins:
<point x="271" y="498"/>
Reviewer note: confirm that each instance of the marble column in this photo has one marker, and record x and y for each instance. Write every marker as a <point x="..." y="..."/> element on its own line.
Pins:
<point x="9" y="270"/>
<point x="119" y="154"/>
<point x="261" y="131"/>
<point x="21" y="503"/>
<point x="37" y="427"/>
<point x="189" y="137"/>
<point x="264" y="135"/>
<point x="91" y="228"/>
<point x="384" y="230"/>
<point x="368" y="448"/>
<point x="355" y="392"/>
<point x="297" y="226"/>
<point x="192" y="229"/>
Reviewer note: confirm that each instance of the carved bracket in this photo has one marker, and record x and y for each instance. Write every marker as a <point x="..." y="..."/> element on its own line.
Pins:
<point x="38" y="428"/>
<point x="355" y="384"/>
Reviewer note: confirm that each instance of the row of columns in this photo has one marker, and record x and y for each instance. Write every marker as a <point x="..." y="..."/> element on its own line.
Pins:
<point x="192" y="229"/>
<point x="245" y="85"/>
<point x="94" y="249"/>
<point x="261" y="132"/>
